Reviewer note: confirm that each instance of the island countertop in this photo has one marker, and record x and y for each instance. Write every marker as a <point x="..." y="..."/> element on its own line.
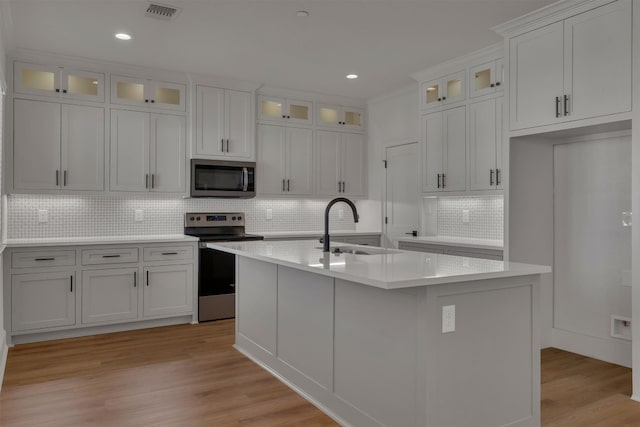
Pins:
<point x="392" y="269"/>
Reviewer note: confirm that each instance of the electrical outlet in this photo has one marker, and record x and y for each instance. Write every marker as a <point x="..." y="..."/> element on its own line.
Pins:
<point x="269" y="214"/>
<point x="340" y="214"/>
<point x="448" y="318"/>
<point x="43" y="215"/>
<point x="139" y="215"/>
<point x="465" y="216"/>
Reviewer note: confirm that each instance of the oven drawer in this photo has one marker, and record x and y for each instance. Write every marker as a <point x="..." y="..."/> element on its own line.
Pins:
<point x="109" y="256"/>
<point x="167" y="253"/>
<point x="43" y="259"/>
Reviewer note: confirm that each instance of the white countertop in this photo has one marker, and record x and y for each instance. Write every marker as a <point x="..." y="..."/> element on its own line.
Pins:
<point x="394" y="270"/>
<point x="279" y="234"/>
<point x="100" y="240"/>
<point x="455" y="241"/>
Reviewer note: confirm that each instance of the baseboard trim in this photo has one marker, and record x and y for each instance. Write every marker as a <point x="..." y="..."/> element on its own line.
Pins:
<point x="4" y="353"/>
<point x="608" y="350"/>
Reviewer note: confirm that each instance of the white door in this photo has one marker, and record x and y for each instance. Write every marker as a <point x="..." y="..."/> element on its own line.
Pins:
<point x="238" y="124"/>
<point x="483" y="136"/>
<point x="36" y="145"/>
<point x="432" y="152"/>
<point x="43" y="300"/>
<point x="402" y="196"/>
<point x="209" y="121"/>
<point x="82" y="148"/>
<point x="168" y="290"/>
<point x="353" y="164"/>
<point x="455" y="149"/>
<point x="536" y="77"/>
<point x="327" y="170"/>
<point x="300" y="161"/>
<point x="271" y="159"/>
<point x="129" y="151"/>
<point x="598" y="61"/>
<point x="109" y="295"/>
<point x="168" y="156"/>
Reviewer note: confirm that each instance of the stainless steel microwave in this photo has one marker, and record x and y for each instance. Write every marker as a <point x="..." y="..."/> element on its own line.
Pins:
<point x="221" y="178"/>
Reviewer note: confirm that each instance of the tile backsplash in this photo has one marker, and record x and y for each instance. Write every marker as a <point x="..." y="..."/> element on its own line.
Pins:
<point x="486" y="217"/>
<point x="86" y="216"/>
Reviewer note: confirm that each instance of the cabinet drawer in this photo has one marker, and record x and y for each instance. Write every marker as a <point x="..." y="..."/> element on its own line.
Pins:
<point x="167" y="253"/>
<point x="109" y="256"/>
<point x="495" y="255"/>
<point x="43" y="259"/>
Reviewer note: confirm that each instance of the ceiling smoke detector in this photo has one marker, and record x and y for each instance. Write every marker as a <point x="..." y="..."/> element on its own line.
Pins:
<point x="161" y="11"/>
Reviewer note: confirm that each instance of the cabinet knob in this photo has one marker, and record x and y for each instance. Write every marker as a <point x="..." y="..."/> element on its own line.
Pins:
<point x="288" y="117"/>
<point x="64" y="91"/>
<point x="284" y="117"/>
<point x="497" y="83"/>
<point x="444" y="97"/>
<point x="492" y="85"/>
<point x="57" y="90"/>
<point x="146" y="100"/>
<point x="153" y="101"/>
<point x="439" y="99"/>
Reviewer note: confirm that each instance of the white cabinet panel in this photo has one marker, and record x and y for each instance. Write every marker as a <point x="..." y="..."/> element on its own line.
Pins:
<point x="328" y="164"/>
<point x="129" y="150"/>
<point x="48" y="258"/>
<point x="168" y="253"/>
<point x="43" y="300"/>
<point x="299" y="165"/>
<point x="109" y="256"/>
<point x="109" y="295"/>
<point x="271" y="162"/>
<point x="143" y="92"/>
<point x="238" y="124"/>
<point x="432" y="134"/>
<point x="353" y="164"/>
<point x="485" y="144"/>
<point x="209" y="121"/>
<point x="58" y="82"/>
<point x="455" y="146"/>
<point x="285" y="110"/>
<point x="168" y="154"/>
<point x="168" y="290"/>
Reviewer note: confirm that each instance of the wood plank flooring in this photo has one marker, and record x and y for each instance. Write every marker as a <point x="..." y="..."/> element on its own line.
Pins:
<point x="189" y="375"/>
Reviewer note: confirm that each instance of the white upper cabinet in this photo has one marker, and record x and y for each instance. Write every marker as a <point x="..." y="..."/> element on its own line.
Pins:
<point x="59" y="82"/>
<point x="223" y="123"/>
<point x="147" y="93"/>
<point x="147" y="152"/>
<point x="285" y="110"/>
<point x="486" y="78"/>
<point x="58" y="146"/>
<point x="340" y="164"/>
<point x="578" y="68"/>
<point x="444" y="150"/>
<point x="340" y="117"/>
<point x="444" y="91"/>
<point x="485" y="144"/>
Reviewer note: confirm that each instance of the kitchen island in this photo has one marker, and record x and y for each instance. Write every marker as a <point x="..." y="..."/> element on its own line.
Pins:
<point x="384" y="337"/>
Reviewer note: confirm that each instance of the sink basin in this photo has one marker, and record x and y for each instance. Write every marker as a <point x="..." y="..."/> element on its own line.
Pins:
<point x="357" y="250"/>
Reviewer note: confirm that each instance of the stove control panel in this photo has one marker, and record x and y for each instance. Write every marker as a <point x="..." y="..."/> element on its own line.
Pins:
<point x="213" y="219"/>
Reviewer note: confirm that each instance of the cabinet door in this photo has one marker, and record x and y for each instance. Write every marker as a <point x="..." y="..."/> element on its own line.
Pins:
<point x="170" y="96"/>
<point x="168" y="155"/>
<point x="329" y="115"/>
<point x="353" y="164"/>
<point x="43" y="300"/>
<point x="168" y="290"/>
<point x="129" y="150"/>
<point x="209" y="121"/>
<point x="483" y="137"/>
<point x="82" y="148"/>
<point x="109" y="295"/>
<point x="36" y="79"/>
<point x="482" y="79"/>
<point x="431" y="94"/>
<point x="352" y="118"/>
<point x="598" y="61"/>
<point x="455" y="88"/>
<point x="455" y="149"/>
<point x="271" y="159"/>
<point x="270" y="108"/>
<point x="300" y="161"/>
<point x="36" y="145"/>
<point x="128" y="91"/>
<point x="432" y="152"/>
<point x="238" y="124"/>
<point x="327" y="170"/>
<point x="82" y="85"/>
<point x="299" y="112"/>
<point x="536" y="77"/>
<point x="499" y="142"/>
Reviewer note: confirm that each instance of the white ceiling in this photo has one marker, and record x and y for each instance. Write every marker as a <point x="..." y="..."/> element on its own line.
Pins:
<point x="263" y="41"/>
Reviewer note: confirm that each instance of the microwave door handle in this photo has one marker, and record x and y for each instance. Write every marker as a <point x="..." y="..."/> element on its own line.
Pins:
<point x="245" y="179"/>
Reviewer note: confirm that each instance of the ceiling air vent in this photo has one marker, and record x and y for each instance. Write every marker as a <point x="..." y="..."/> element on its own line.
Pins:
<point x="161" y="11"/>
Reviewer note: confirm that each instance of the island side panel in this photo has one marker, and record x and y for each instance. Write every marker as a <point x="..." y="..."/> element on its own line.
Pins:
<point x="486" y="373"/>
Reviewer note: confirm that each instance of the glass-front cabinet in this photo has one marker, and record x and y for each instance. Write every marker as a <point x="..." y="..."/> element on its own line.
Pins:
<point x="150" y="93"/>
<point x="285" y="110"/>
<point x="340" y="117"/>
<point x="486" y="78"/>
<point x="444" y="91"/>
<point x="59" y="82"/>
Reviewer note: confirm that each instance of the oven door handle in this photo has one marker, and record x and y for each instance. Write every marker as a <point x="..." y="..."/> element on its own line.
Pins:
<point x="245" y="179"/>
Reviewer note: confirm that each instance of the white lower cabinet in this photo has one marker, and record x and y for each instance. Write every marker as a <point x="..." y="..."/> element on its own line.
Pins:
<point x="109" y="295"/>
<point x="43" y="300"/>
<point x="168" y="289"/>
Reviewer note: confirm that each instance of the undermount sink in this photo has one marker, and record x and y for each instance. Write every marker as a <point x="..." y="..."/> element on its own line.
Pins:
<point x="356" y="250"/>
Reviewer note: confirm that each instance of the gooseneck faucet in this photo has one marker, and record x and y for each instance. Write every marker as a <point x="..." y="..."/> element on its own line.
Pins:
<point x="325" y="241"/>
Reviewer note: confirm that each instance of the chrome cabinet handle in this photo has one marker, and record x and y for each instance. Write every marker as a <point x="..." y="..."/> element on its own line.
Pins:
<point x="497" y="176"/>
<point x="566" y="105"/>
<point x="491" y="177"/>
<point x="557" y="106"/>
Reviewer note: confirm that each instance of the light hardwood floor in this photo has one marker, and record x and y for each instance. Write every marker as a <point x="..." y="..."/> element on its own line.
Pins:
<point x="189" y="375"/>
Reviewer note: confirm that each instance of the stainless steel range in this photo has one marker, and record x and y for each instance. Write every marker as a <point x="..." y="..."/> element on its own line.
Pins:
<point x="217" y="276"/>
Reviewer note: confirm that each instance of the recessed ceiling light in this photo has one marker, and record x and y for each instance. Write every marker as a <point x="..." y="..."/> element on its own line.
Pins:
<point x="123" y="36"/>
<point x="352" y="76"/>
<point x="302" y="13"/>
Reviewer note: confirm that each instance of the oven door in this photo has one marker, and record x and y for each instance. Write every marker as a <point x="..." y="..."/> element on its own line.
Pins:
<point x="217" y="178"/>
<point x="216" y="285"/>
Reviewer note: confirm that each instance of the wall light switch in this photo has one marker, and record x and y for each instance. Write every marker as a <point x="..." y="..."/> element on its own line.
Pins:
<point x="341" y="214"/>
<point x="627" y="219"/>
<point x="269" y="214"/>
<point x="43" y="215"/>
<point x="465" y="216"/>
<point x="139" y="215"/>
<point x="448" y="318"/>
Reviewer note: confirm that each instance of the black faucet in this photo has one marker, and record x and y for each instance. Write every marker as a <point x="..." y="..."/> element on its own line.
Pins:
<point x="325" y="239"/>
